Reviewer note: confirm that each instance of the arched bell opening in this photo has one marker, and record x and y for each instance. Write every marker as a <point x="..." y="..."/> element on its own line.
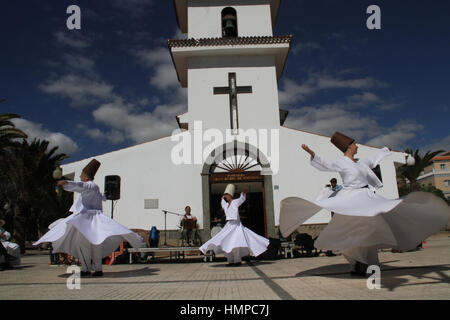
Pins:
<point x="229" y="22"/>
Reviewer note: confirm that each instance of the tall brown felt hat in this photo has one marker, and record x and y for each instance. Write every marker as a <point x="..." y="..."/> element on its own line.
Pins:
<point x="91" y="168"/>
<point x="341" y="141"/>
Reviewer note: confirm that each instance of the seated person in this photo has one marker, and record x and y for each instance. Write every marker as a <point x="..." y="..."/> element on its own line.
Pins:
<point x="334" y="188"/>
<point x="9" y="251"/>
<point x="189" y="225"/>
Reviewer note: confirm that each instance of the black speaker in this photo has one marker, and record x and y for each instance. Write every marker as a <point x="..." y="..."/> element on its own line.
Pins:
<point x="112" y="187"/>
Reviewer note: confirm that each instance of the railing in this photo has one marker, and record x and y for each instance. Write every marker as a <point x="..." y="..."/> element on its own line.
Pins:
<point x="432" y="173"/>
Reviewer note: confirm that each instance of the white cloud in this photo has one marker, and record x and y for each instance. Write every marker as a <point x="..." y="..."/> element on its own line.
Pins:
<point x="398" y="136"/>
<point x="365" y="129"/>
<point x="330" y="118"/>
<point x="72" y="39"/>
<point x="57" y="139"/>
<point x="305" y="46"/>
<point x="179" y="34"/>
<point x="386" y="106"/>
<point x="292" y="92"/>
<point x="364" y="98"/>
<point x="343" y="115"/>
<point x="81" y="91"/>
<point x="124" y="119"/>
<point x="112" y="136"/>
<point x="159" y="61"/>
<point x="79" y="63"/>
<point x="136" y="125"/>
<point x="441" y="144"/>
<point x="329" y="82"/>
<point x="78" y="81"/>
<point x="336" y="36"/>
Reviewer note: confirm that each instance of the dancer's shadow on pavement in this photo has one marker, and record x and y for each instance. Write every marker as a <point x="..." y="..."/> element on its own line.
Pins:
<point x="122" y="274"/>
<point x="245" y="262"/>
<point x="392" y="277"/>
<point x="341" y="271"/>
<point x="15" y="268"/>
<point x="333" y="270"/>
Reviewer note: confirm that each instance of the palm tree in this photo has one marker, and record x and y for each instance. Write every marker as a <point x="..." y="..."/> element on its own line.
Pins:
<point x="8" y="131"/>
<point x="413" y="172"/>
<point x="46" y="203"/>
<point x="31" y="188"/>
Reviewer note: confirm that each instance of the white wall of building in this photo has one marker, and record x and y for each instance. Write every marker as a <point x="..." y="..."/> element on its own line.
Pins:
<point x="147" y="172"/>
<point x="256" y="110"/>
<point x="205" y="19"/>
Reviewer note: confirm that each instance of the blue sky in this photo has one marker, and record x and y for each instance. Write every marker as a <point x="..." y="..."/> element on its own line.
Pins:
<point x="112" y="84"/>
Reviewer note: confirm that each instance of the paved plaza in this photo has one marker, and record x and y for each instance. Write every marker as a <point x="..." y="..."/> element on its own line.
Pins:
<point x="423" y="274"/>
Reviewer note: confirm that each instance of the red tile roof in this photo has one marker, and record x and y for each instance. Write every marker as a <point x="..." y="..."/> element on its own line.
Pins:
<point x="444" y="156"/>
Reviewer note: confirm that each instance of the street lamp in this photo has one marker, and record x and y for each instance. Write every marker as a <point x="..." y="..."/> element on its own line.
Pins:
<point x="57" y="173"/>
<point x="410" y="161"/>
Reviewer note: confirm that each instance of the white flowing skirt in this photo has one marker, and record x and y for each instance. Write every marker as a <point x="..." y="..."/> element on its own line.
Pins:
<point x="365" y="219"/>
<point x="13" y="249"/>
<point x="234" y="235"/>
<point x="93" y="226"/>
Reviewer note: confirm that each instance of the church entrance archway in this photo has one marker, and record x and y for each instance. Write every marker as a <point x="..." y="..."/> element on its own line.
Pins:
<point x="245" y="167"/>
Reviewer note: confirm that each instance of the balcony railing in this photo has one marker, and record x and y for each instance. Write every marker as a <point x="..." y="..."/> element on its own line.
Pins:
<point x="433" y="173"/>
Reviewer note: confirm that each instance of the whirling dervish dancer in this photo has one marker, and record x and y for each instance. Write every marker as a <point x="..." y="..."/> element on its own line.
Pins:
<point x="235" y="240"/>
<point x="88" y="234"/>
<point x="364" y="221"/>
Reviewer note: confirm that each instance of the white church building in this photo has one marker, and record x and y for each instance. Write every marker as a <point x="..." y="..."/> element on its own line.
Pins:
<point x="232" y="132"/>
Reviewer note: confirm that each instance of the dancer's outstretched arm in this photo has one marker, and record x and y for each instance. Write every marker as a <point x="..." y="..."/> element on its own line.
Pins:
<point x="319" y="163"/>
<point x="242" y="198"/>
<point x="374" y="159"/>
<point x="76" y="186"/>
<point x="307" y="149"/>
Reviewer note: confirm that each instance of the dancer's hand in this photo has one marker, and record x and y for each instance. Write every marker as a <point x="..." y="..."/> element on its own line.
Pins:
<point x="245" y="190"/>
<point x="60" y="183"/>
<point x="307" y="149"/>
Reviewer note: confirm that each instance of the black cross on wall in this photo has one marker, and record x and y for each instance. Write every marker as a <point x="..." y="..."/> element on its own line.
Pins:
<point x="233" y="90"/>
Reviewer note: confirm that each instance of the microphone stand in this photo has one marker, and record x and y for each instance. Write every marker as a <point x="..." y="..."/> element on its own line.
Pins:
<point x="112" y="209"/>
<point x="165" y="224"/>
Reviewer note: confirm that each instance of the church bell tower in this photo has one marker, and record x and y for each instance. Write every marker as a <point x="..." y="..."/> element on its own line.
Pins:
<point x="230" y="62"/>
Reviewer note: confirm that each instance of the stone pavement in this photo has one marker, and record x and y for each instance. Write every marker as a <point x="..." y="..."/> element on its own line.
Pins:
<point x="423" y="274"/>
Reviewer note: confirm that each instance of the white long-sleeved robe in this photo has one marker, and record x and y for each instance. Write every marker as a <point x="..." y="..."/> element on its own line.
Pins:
<point x="88" y="225"/>
<point x="363" y="220"/>
<point x="235" y="240"/>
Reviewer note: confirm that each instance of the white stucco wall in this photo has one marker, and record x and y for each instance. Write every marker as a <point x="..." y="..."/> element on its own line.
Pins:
<point x="205" y="20"/>
<point x="147" y="172"/>
<point x="258" y="109"/>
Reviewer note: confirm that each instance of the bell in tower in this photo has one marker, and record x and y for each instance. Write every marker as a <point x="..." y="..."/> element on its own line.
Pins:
<point x="229" y="22"/>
